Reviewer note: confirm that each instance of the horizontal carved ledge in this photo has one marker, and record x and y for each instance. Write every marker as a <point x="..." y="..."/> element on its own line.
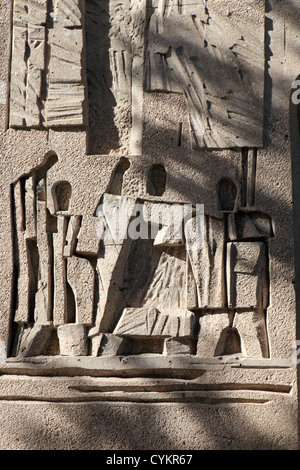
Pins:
<point x="134" y="366"/>
<point x="147" y="379"/>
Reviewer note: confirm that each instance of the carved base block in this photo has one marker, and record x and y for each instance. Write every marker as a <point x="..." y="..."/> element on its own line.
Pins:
<point x="72" y="340"/>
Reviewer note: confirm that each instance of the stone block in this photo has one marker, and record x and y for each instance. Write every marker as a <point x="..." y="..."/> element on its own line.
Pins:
<point x="72" y="340"/>
<point x="211" y="327"/>
<point x="177" y="346"/>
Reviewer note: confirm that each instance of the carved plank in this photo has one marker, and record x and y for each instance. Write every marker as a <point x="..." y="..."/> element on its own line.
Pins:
<point x="207" y="267"/>
<point x="60" y="272"/>
<point x="138" y="14"/>
<point x="30" y="208"/>
<point x="71" y="235"/>
<point x="21" y="255"/>
<point x="43" y="298"/>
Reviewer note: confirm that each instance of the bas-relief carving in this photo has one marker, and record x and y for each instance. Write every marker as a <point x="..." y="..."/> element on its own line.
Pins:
<point x="82" y="291"/>
<point x="131" y="49"/>
<point x="77" y="294"/>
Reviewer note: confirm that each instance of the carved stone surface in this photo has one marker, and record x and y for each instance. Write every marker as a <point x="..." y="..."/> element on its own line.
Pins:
<point x="188" y="43"/>
<point x="23" y="268"/>
<point x="72" y="340"/>
<point x="99" y="280"/>
<point x="152" y="322"/>
<point x="148" y="267"/>
<point x="60" y="278"/>
<point x="247" y="275"/>
<point x="66" y="92"/>
<point x="80" y="276"/>
<point x="87" y="239"/>
<point x="29" y="37"/>
<point x="109" y="345"/>
<point x="211" y="328"/>
<point x="32" y="341"/>
<point x="48" y="89"/>
<point x="249" y="225"/>
<point x="43" y="299"/>
<point x="207" y="266"/>
<point x="177" y="346"/>
<point x="115" y="64"/>
<point x="88" y="268"/>
<point x="252" y="329"/>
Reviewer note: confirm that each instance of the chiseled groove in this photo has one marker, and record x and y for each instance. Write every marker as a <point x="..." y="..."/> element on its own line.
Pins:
<point x="123" y="374"/>
<point x="183" y="387"/>
<point x="132" y="399"/>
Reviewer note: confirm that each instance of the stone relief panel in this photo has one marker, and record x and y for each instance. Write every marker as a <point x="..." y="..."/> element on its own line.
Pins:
<point x="83" y="288"/>
<point x="120" y="111"/>
<point x="80" y="288"/>
<point x="28" y="49"/>
<point x="162" y="47"/>
<point x="47" y="74"/>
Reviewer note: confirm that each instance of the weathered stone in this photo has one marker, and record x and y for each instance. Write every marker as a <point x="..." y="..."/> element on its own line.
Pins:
<point x="88" y="241"/>
<point x="33" y="340"/>
<point x="152" y="322"/>
<point x="211" y="328"/>
<point x="30" y="216"/>
<point x="177" y="346"/>
<point x="33" y="38"/>
<point x="43" y="298"/>
<point x="207" y="266"/>
<point x="249" y="225"/>
<point x="111" y="345"/>
<point x="220" y="115"/>
<point x="253" y="332"/>
<point x="72" y="340"/>
<point x="113" y="215"/>
<point x="60" y="272"/>
<point x="23" y="300"/>
<point x="247" y="275"/>
<point x="65" y="100"/>
<point x="71" y="236"/>
<point x="166" y="223"/>
<point x="28" y="63"/>
<point x="180" y="113"/>
<point x="81" y="277"/>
